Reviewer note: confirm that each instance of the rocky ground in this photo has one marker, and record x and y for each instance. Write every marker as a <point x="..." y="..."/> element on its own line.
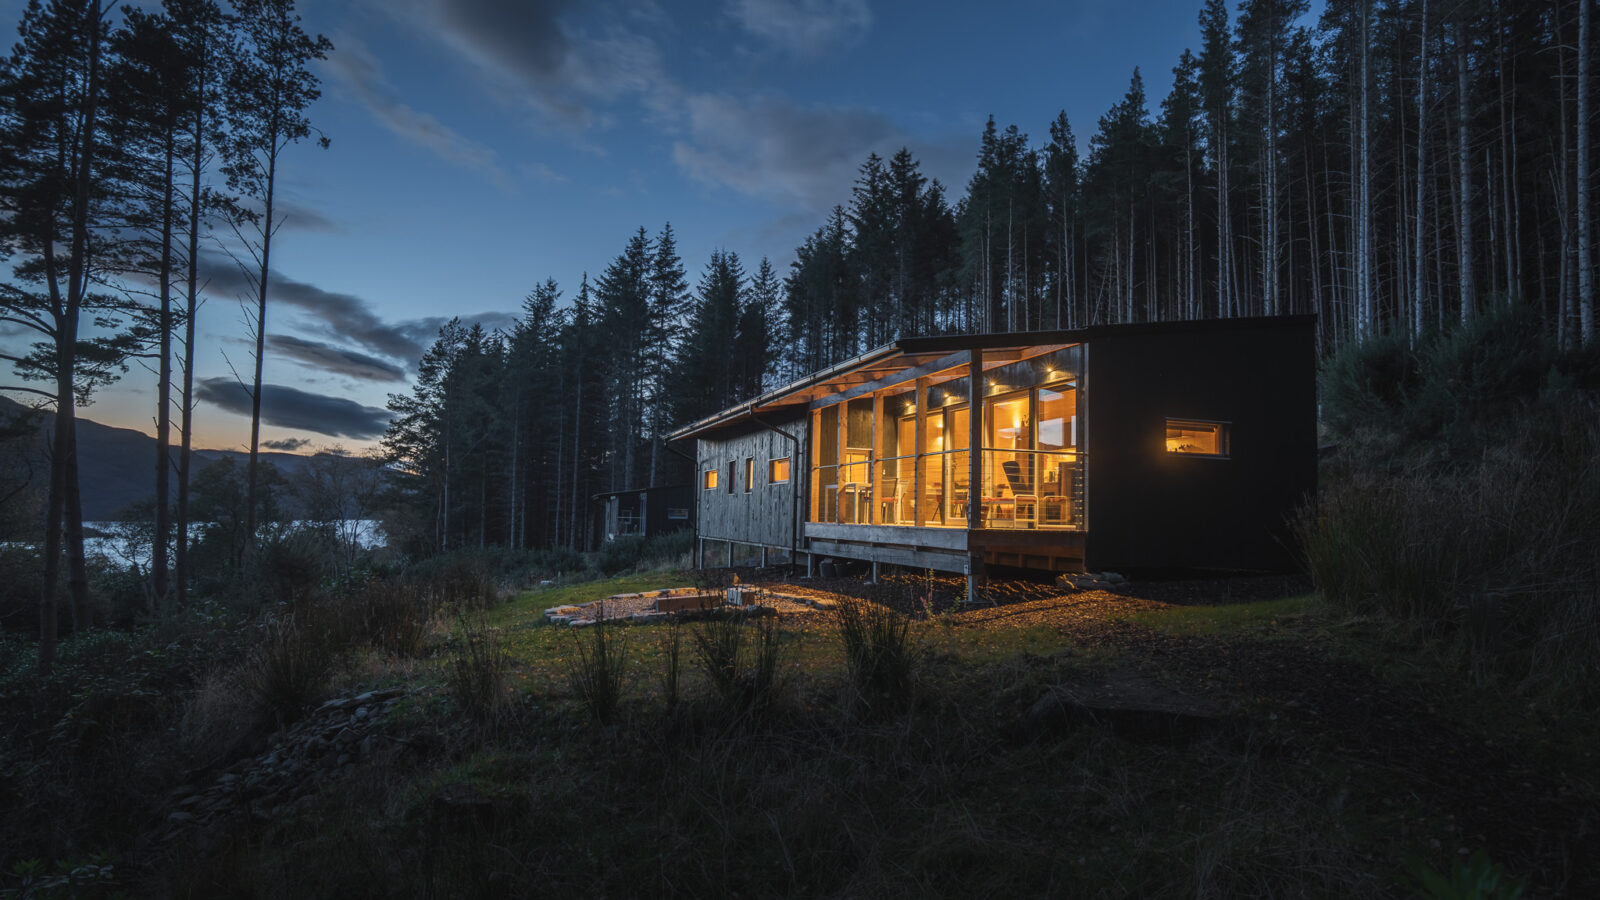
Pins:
<point x="298" y="760"/>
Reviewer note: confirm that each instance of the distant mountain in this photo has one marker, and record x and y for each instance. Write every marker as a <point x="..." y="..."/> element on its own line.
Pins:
<point x="116" y="466"/>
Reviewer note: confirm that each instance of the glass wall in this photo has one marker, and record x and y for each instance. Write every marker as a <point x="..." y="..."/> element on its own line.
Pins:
<point x="825" y="468"/>
<point x="896" y="471"/>
<point x="902" y="457"/>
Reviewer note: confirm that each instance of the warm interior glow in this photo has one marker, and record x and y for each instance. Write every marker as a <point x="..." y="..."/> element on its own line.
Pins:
<point x="1200" y="438"/>
<point x="711" y="479"/>
<point x="778" y="471"/>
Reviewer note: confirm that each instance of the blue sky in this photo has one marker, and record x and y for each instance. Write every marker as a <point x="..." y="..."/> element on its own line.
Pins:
<point x="479" y="147"/>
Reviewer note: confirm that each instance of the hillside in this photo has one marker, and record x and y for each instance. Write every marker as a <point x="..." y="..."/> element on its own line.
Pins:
<point x="116" y="464"/>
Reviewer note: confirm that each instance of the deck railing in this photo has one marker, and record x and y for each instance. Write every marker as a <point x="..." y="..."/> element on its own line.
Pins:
<point x="1029" y="489"/>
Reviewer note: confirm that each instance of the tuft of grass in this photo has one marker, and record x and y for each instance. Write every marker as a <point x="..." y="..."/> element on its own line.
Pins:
<point x="879" y="653"/>
<point x="600" y="672"/>
<point x="719" y="651"/>
<point x="672" y="668"/>
<point x="723" y="647"/>
<point x="1475" y="878"/>
<point x="477" y="672"/>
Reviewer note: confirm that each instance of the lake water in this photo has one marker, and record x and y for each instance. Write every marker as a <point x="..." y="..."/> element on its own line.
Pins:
<point x="120" y="549"/>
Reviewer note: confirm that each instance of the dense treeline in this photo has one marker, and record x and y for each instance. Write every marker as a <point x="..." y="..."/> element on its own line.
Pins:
<point x="506" y="436"/>
<point x="1392" y="167"/>
<point x="131" y="139"/>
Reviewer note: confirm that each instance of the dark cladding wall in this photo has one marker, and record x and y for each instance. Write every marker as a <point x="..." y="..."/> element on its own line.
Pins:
<point x="659" y="504"/>
<point x="1152" y="509"/>
<point x="766" y="514"/>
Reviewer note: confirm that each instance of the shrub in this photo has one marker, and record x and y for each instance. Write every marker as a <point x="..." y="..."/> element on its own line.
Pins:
<point x="600" y="671"/>
<point x="878" y="652"/>
<point x="1496" y="558"/>
<point x="477" y="672"/>
<point x="288" y="668"/>
<point x="290" y="567"/>
<point x="399" y="615"/>
<point x="1367" y="385"/>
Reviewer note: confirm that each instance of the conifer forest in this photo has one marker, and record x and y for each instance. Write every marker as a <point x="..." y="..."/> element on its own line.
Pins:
<point x="1396" y="169"/>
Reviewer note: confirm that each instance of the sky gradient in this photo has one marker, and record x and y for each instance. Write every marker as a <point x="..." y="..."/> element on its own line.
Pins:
<point x="480" y="147"/>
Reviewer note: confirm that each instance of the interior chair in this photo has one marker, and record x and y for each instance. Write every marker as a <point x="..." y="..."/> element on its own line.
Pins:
<point x="1022" y="493"/>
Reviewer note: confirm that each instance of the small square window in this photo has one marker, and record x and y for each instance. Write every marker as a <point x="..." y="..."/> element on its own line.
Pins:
<point x="778" y="471"/>
<point x="711" y="479"/>
<point x="1196" y="438"/>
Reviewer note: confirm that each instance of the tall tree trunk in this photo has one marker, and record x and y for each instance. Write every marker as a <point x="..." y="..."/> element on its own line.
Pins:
<point x="1464" y="173"/>
<point x="577" y="434"/>
<point x="261" y="345"/>
<point x="1419" y="227"/>
<point x="1269" y="190"/>
<point x="77" y="562"/>
<point x="55" y="503"/>
<point x="163" y="523"/>
<point x="191" y="307"/>
<point x="1366" y="312"/>
<point x="1586" y="325"/>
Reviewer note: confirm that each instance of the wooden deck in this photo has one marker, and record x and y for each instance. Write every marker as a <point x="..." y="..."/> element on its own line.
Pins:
<point x="949" y="549"/>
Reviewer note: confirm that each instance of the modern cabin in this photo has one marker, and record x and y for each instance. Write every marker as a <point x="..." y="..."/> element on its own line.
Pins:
<point x="1151" y="446"/>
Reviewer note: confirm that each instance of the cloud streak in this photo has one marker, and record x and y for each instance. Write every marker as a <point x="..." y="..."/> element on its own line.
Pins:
<point x="345" y="317"/>
<point x="359" y="71"/>
<point x="804" y="27"/>
<point x="537" y="57"/>
<point x="770" y="147"/>
<point x="288" y="407"/>
<point x="338" y="360"/>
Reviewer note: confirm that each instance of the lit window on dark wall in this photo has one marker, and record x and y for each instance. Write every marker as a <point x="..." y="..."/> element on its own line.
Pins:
<point x="1197" y="438"/>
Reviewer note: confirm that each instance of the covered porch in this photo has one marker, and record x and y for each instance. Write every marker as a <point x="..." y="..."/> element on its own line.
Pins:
<point x="902" y="471"/>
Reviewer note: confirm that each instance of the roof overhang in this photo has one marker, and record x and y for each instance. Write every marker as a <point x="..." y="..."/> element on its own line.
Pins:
<point x="916" y="357"/>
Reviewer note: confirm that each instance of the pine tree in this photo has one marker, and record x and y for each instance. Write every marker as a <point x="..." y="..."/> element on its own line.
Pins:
<point x="1180" y="112"/>
<point x="1216" y="91"/>
<point x="270" y="84"/>
<point x="668" y="308"/>
<point x="622" y="297"/>
<point x="58" y="183"/>
<point x="1061" y="199"/>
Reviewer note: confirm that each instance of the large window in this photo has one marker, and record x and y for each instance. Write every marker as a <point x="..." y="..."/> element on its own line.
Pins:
<point x="904" y="456"/>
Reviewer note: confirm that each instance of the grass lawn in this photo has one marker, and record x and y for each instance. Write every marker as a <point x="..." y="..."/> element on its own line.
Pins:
<point x="824" y="788"/>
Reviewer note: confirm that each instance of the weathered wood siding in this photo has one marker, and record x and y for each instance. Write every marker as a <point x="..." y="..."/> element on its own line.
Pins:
<point x="766" y="514"/>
